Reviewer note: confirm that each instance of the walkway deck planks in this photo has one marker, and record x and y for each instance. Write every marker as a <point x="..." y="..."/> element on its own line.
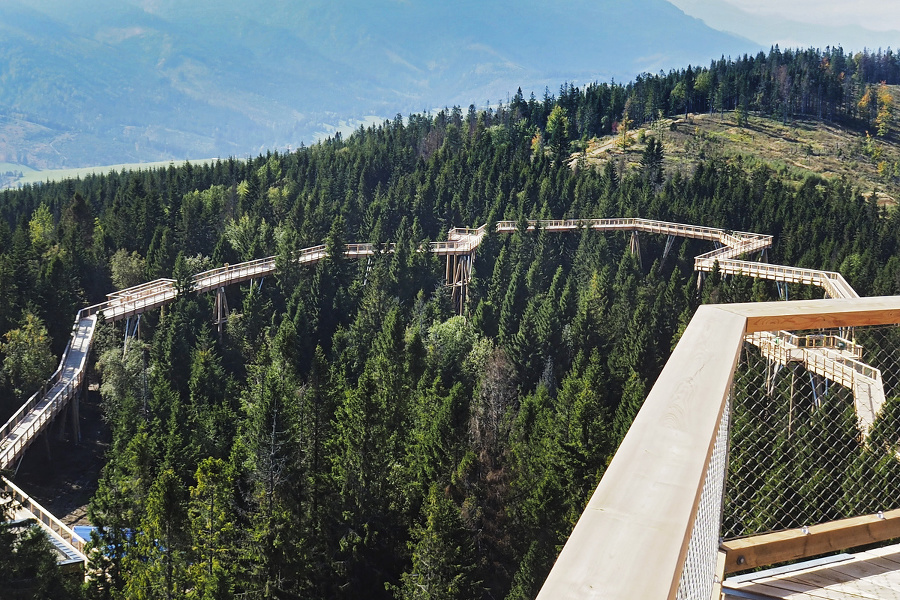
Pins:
<point x="873" y="574"/>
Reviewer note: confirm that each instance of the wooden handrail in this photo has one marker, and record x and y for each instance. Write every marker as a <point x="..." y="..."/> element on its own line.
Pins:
<point x="45" y="518"/>
<point x="631" y="540"/>
<point x="795" y="544"/>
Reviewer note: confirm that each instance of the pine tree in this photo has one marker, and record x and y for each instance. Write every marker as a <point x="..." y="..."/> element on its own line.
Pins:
<point x="157" y="562"/>
<point x="443" y="555"/>
<point x="213" y="531"/>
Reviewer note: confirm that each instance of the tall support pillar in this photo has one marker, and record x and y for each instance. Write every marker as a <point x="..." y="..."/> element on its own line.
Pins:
<point x="459" y="270"/>
<point x="75" y="414"/>
<point x="131" y="332"/>
<point x="221" y="309"/>
<point x="782" y="287"/>
<point x="368" y="270"/>
<point x="46" y="437"/>
<point x="636" y="247"/>
<point x="670" y="241"/>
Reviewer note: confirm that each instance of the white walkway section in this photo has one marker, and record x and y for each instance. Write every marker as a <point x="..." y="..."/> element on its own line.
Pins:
<point x="68" y="544"/>
<point x="18" y="433"/>
<point x="834" y="358"/>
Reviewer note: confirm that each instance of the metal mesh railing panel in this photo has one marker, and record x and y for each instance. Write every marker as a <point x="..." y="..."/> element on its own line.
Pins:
<point x="698" y="574"/>
<point x="815" y="429"/>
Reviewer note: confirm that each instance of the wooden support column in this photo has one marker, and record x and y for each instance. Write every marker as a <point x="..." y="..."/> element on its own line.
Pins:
<point x="63" y="422"/>
<point x="636" y="247"/>
<point x="459" y="282"/>
<point x="46" y="437"/>
<point x="221" y="309"/>
<point x="75" y="410"/>
<point x="670" y="241"/>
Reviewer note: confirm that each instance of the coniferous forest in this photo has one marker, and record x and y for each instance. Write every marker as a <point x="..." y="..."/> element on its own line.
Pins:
<point x="348" y="435"/>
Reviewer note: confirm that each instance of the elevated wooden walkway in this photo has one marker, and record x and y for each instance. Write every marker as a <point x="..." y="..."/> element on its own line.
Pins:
<point x="459" y="248"/>
<point x="832" y="357"/>
<point x="39" y="410"/>
<point x="68" y="544"/>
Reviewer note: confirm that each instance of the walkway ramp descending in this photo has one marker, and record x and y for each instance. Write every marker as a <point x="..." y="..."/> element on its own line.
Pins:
<point x="68" y="544"/>
<point x="836" y="359"/>
<point x="37" y="413"/>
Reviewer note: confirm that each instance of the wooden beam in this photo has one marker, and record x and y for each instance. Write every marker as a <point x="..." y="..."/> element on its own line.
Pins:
<point x="720" y="576"/>
<point x="817" y="314"/>
<point x="631" y="540"/>
<point x="796" y="544"/>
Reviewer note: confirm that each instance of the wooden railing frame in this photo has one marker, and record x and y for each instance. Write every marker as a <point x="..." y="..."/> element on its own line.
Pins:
<point x="45" y="518"/>
<point x="632" y="537"/>
<point x="795" y="544"/>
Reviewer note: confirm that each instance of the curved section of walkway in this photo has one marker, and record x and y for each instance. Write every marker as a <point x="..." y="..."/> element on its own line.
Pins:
<point x="39" y="411"/>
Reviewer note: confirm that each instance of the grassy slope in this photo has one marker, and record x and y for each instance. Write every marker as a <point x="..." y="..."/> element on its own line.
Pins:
<point x="796" y="150"/>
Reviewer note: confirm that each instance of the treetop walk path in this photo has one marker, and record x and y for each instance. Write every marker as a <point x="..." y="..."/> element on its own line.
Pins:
<point x="841" y="366"/>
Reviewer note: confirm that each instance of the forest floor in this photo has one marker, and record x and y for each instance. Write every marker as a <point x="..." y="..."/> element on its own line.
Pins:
<point x="64" y="482"/>
<point x="796" y="150"/>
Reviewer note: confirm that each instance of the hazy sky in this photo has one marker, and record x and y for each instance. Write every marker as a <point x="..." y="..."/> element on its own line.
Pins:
<point x="877" y="15"/>
<point x="792" y="23"/>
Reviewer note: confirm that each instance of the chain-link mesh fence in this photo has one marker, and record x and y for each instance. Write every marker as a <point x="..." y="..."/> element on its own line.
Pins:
<point x="699" y="572"/>
<point x="815" y="431"/>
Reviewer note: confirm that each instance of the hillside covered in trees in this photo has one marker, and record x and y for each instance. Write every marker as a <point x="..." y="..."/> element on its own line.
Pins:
<point x="348" y="435"/>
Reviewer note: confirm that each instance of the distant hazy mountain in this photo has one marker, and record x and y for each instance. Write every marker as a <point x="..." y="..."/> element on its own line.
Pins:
<point x="140" y="80"/>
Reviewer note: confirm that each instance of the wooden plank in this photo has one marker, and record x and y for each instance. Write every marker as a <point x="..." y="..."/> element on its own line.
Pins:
<point x="720" y="576"/>
<point x="888" y="554"/>
<point x="817" y="314"/>
<point x="871" y="576"/>
<point x="631" y="540"/>
<point x="794" y="544"/>
<point x="857" y="577"/>
<point x="777" y="589"/>
<point x="795" y="589"/>
<point x="839" y="584"/>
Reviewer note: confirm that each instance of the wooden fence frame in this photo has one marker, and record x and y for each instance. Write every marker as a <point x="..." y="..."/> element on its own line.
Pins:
<point x="632" y="538"/>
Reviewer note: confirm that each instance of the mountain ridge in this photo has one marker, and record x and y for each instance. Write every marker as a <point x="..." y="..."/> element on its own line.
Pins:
<point x="138" y="81"/>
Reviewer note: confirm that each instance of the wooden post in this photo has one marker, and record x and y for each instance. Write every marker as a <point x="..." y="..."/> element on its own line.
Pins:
<point x="46" y="437"/>
<point x="61" y="426"/>
<point x="636" y="247"/>
<point x="75" y="409"/>
<point x="221" y="309"/>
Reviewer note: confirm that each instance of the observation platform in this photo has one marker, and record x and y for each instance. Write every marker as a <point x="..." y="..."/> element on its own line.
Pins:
<point x="871" y="574"/>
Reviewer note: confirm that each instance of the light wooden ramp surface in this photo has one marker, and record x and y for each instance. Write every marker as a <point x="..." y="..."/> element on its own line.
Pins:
<point x="874" y="574"/>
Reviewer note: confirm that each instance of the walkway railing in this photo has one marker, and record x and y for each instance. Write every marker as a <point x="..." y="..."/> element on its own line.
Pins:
<point x="51" y="524"/>
<point x="679" y="451"/>
<point x="652" y="527"/>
